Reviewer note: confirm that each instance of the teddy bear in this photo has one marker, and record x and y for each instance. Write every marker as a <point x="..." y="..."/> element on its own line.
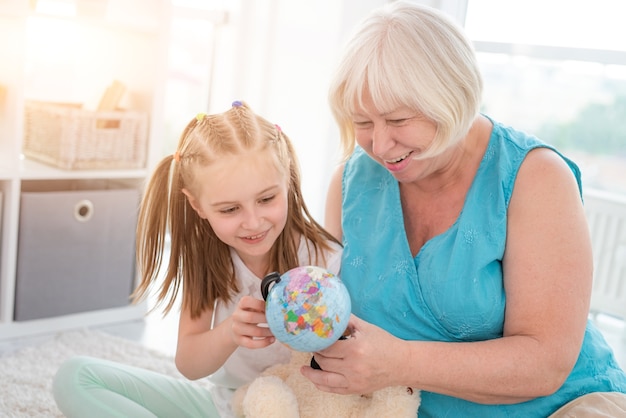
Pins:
<point x="283" y="392"/>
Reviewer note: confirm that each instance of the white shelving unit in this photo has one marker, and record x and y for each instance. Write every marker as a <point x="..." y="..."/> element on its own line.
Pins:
<point x="56" y="58"/>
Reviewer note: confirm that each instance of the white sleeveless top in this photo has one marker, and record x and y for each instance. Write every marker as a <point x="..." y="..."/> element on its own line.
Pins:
<point x="245" y="364"/>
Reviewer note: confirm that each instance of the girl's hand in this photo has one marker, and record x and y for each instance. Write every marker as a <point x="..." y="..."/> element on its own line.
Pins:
<point x="249" y="326"/>
<point x="362" y="363"/>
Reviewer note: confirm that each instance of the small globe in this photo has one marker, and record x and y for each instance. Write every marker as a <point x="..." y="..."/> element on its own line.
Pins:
<point x="307" y="308"/>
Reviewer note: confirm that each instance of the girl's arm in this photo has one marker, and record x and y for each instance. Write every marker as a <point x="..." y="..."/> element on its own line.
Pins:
<point x="547" y="270"/>
<point x="202" y="350"/>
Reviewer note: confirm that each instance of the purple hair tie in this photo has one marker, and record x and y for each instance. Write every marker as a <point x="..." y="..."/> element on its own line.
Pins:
<point x="237" y="103"/>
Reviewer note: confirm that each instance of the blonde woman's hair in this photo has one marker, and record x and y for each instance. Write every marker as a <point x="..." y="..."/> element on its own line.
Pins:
<point x="405" y="54"/>
<point x="199" y="262"/>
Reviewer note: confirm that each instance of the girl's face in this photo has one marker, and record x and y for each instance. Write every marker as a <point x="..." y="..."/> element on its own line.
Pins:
<point x="394" y="139"/>
<point x="244" y="198"/>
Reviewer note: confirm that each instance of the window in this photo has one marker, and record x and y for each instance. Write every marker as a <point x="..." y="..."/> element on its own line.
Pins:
<point x="194" y="31"/>
<point x="557" y="70"/>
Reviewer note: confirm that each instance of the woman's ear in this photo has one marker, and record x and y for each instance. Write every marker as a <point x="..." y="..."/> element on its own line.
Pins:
<point x="194" y="203"/>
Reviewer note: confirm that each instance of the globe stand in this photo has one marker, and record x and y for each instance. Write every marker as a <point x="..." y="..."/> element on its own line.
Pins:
<point x="314" y="363"/>
<point x="268" y="280"/>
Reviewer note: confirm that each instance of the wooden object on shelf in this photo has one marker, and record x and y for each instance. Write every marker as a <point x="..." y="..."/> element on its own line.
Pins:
<point x="112" y="96"/>
<point x="110" y="101"/>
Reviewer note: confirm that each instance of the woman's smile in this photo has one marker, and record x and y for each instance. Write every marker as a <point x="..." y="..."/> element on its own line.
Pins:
<point x="398" y="164"/>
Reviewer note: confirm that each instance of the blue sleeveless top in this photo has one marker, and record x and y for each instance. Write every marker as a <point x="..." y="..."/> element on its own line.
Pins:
<point x="453" y="289"/>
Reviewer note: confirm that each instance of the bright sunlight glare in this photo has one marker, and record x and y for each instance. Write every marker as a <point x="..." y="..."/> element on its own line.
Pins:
<point x="597" y="24"/>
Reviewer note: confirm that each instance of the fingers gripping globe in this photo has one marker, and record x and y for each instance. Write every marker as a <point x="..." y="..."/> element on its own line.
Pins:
<point x="307" y="308"/>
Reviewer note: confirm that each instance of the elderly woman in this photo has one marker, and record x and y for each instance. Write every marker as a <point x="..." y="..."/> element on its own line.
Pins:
<point x="466" y="248"/>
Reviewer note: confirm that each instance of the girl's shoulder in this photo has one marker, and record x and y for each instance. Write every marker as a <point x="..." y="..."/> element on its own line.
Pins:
<point x="329" y="259"/>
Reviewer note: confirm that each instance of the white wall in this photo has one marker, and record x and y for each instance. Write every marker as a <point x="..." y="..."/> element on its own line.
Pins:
<point x="278" y="56"/>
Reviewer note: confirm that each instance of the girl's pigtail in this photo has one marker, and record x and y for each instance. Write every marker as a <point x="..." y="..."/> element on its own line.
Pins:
<point x="152" y="228"/>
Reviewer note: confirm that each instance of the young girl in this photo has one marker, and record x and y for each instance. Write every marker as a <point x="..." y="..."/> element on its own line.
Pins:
<point x="231" y="202"/>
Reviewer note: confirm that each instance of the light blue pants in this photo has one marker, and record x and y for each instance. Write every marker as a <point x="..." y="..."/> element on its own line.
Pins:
<point x="91" y="387"/>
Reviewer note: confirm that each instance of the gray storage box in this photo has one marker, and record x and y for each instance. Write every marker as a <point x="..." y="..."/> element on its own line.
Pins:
<point x="1" y="240"/>
<point x="76" y="251"/>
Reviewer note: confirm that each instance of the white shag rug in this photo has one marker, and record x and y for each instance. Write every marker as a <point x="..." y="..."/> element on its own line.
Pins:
<point x="26" y="375"/>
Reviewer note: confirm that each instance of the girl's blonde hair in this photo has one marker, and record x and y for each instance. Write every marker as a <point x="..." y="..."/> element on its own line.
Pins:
<point x="198" y="261"/>
<point x="405" y="54"/>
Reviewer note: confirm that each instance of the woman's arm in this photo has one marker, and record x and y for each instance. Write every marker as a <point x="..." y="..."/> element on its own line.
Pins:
<point x="202" y="350"/>
<point x="547" y="277"/>
<point x="332" y="220"/>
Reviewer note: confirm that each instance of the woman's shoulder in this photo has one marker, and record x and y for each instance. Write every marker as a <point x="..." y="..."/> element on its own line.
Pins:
<point x="517" y="149"/>
<point x="545" y="169"/>
<point x="507" y="135"/>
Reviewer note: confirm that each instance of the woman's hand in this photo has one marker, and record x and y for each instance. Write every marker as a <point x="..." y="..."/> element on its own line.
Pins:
<point x="362" y="363"/>
<point x="249" y="326"/>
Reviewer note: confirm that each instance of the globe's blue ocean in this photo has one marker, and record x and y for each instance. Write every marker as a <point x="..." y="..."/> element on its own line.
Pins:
<point x="308" y="308"/>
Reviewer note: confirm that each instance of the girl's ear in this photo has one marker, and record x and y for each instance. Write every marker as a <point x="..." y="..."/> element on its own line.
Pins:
<point x="194" y="203"/>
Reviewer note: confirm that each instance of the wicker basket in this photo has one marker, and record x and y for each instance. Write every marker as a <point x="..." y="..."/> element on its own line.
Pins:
<point x="69" y="137"/>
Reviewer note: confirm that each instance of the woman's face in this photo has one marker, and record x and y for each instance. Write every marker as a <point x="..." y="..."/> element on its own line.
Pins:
<point x="244" y="198"/>
<point x="394" y="139"/>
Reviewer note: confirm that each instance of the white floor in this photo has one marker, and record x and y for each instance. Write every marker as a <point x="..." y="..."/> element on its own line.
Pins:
<point x="156" y="332"/>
